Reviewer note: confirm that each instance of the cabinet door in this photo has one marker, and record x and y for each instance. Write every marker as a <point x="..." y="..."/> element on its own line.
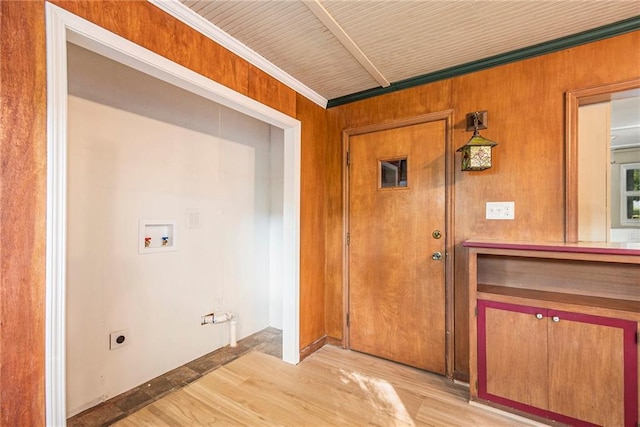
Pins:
<point x="512" y="355"/>
<point x="573" y="368"/>
<point x="587" y="367"/>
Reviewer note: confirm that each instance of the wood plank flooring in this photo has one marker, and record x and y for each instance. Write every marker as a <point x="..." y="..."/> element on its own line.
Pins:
<point x="332" y="387"/>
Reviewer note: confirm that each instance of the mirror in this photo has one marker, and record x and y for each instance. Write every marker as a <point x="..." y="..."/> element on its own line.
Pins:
<point x="603" y="164"/>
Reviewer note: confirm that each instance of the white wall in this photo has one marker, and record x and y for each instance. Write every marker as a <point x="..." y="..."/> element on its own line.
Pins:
<point x="593" y="175"/>
<point x="125" y="166"/>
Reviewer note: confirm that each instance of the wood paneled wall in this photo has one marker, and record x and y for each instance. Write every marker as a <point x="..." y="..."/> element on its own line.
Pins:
<point x="334" y="265"/>
<point x="152" y="28"/>
<point x="525" y="101"/>
<point x="22" y="210"/>
<point x="312" y="214"/>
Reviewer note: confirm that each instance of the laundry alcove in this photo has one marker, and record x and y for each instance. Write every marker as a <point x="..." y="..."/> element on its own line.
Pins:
<point x="141" y="148"/>
<point x="152" y="140"/>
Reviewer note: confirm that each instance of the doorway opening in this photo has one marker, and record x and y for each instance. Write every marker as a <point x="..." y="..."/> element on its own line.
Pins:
<point x="284" y="132"/>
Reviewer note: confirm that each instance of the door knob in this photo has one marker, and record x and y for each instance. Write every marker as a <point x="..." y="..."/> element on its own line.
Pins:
<point x="436" y="255"/>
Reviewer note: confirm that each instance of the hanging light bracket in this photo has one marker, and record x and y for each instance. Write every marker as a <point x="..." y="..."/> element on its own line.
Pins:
<point x="481" y="116"/>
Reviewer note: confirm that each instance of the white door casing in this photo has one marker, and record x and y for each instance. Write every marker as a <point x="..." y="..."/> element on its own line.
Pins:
<point x="63" y="27"/>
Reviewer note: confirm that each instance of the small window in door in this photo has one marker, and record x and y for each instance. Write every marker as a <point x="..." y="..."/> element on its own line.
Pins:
<point x="393" y="173"/>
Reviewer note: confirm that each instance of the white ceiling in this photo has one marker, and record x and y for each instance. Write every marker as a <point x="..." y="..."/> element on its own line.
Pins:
<point x="337" y="48"/>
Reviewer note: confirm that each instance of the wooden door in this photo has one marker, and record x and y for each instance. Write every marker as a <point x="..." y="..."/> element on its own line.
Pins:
<point x="396" y="289"/>
<point x="513" y="354"/>
<point x="587" y="368"/>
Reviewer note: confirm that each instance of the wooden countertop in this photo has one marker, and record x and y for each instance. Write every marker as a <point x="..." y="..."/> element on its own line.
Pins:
<point x="605" y="248"/>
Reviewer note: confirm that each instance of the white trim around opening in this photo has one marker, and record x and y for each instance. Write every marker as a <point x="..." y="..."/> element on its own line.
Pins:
<point x="62" y="27"/>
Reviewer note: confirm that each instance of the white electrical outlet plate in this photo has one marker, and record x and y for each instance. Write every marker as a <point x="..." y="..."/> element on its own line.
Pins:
<point x="501" y="210"/>
<point x="118" y="339"/>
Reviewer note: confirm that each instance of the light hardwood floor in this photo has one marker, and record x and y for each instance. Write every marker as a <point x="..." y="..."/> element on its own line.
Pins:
<point x="332" y="387"/>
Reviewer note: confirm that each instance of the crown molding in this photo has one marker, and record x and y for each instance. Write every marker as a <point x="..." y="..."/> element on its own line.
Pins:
<point x="606" y="31"/>
<point x="200" y="24"/>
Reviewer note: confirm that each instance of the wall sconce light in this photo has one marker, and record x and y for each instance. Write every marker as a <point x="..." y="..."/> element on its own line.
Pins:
<point x="476" y="153"/>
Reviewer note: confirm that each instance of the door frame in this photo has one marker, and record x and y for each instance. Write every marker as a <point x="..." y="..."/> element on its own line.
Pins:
<point x="574" y="99"/>
<point x="447" y="117"/>
<point x="63" y="26"/>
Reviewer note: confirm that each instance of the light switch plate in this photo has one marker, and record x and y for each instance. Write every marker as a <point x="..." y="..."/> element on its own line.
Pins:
<point x="501" y="210"/>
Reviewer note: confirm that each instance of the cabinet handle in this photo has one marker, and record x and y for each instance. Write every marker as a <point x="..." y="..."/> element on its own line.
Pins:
<point x="539" y="316"/>
<point x="555" y="319"/>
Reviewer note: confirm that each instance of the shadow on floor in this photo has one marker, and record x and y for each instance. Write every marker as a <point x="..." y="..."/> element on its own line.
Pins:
<point x="267" y="341"/>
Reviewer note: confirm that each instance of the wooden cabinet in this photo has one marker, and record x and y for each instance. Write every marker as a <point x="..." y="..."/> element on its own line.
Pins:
<point x="554" y="363"/>
<point x="553" y="331"/>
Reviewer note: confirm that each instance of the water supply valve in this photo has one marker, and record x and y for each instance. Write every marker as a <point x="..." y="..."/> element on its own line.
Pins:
<point x="216" y="318"/>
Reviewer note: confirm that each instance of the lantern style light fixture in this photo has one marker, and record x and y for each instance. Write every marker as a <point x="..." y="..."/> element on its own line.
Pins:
<point x="476" y="153"/>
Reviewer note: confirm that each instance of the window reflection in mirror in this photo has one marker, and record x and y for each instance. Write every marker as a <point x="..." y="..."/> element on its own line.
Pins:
<point x="609" y="169"/>
<point x="630" y="193"/>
